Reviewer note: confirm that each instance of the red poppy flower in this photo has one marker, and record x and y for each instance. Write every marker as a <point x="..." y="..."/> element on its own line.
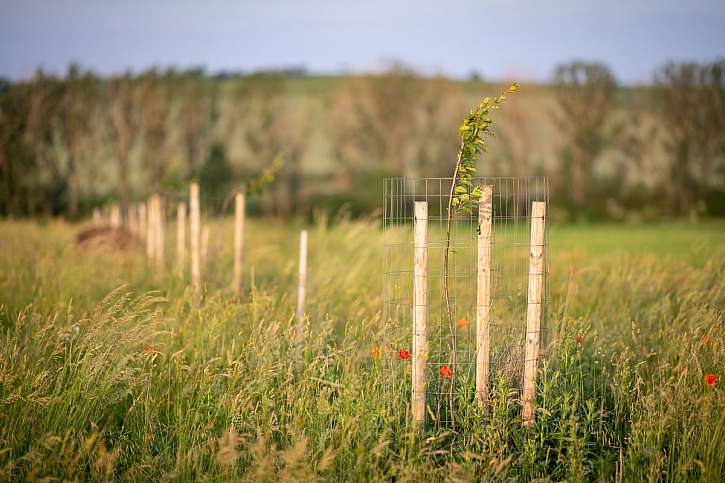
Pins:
<point x="462" y="323"/>
<point x="579" y="339"/>
<point x="711" y="379"/>
<point x="706" y="340"/>
<point x="404" y="354"/>
<point x="445" y="371"/>
<point x="148" y="348"/>
<point x="375" y="352"/>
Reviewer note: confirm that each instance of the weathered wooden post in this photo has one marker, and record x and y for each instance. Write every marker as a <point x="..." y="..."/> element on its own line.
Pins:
<point x="151" y="228"/>
<point x="115" y="216"/>
<point x="142" y="220"/>
<point x="533" y="312"/>
<point x="195" y="233"/>
<point x="483" y="294"/>
<point x="301" y="289"/>
<point x="159" y="250"/>
<point x="239" y="203"/>
<point x="132" y="220"/>
<point x="180" y="237"/>
<point x="420" y="309"/>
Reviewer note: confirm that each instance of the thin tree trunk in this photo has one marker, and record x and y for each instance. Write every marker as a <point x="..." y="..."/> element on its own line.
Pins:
<point x="123" y="182"/>
<point x="451" y="328"/>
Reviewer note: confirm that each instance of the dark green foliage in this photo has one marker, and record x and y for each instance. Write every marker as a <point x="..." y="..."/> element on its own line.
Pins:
<point x="215" y="176"/>
<point x="68" y="143"/>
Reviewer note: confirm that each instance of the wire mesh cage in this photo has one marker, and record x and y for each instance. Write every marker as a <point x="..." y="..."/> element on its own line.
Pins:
<point x="476" y="330"/>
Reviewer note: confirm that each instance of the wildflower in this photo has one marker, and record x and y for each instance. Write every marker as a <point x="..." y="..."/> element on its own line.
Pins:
<point x="579" y="339"/>
<point x="462" y="323"/>
<point x="404" y="354"/>
<point x="706" y="340"/>
<point x="148" y="348"/>
<point x="445" y="371"/>
<point x="710" y="379"/>
<point x="375" y="353"/>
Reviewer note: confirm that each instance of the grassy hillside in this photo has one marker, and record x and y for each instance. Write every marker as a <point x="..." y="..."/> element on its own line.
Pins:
<point x="108" y="372"/>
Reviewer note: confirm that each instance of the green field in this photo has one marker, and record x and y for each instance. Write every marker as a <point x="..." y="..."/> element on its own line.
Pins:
<point x="108" y="371"/>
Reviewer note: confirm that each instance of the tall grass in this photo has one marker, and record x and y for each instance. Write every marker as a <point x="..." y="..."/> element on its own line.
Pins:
<point x="109" y="372"/>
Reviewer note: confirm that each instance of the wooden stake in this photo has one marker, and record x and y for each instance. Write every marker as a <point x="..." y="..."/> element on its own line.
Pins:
<point x="115" y="217"/>
<point x="533" y="313"/>
<point x="142" y="220"/>
<point x="420" y="309"/>
<point x="195" y="226"/>
<point x="155" y="239"/>
<point x="238" y="240"/>
<point x="180" y="237"/>
<point x="159" y="234"/>
<point x="151" y="228"/>
<point x="483" y="295"/>
<point x="301" y="288"/>
<point x="132" y="220"/>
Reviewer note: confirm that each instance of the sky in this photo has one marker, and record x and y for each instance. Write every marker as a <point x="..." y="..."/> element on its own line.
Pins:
<point x="501" y="40"/>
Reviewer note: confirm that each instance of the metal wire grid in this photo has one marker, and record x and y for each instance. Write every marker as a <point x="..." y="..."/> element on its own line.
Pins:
<point x="510" y="246"/>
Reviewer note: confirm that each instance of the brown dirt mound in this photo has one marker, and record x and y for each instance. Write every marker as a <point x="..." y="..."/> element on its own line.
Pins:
<point x="107" y="236"/>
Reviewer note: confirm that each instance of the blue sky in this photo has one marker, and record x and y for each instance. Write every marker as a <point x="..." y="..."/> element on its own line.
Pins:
<point x="523" y="39"/>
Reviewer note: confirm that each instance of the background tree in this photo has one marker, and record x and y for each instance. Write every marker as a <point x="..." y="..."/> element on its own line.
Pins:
<point x="584" y="94"/>
<point x="15" y="155"/>
<point x="48" y="184"/>
<point x="80" y="97"/>
<point x="693" y="118"/>
<point x="194" y="117"/>
<point x="124" y="124"/>
<point x="215" y="176"/>
<point x="155" y="103"/>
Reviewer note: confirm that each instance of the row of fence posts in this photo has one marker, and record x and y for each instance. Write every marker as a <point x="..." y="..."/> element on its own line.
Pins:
<point x="146" y="222"/>
<point x="483" y="305"/>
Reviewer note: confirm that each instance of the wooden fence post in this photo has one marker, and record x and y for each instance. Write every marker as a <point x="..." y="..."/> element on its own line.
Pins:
<point x="239" y="203"/>
<point x="151" y="228"/>
<point x="195" y="233"/>
<point x="420" y="309"/>
<point x="533" y="312"/>
<point x="483" y="295"/>
<point x="180" y="237"/>
<point x="301" y="289"/>
<point x="115" y="216"/>
<point x="159" y="232"/>
<point x="132" y="220"/>
<point x="142" y="220"/>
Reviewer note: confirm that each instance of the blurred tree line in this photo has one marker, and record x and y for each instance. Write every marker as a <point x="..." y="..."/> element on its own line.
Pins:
<point x="73" y="142"/>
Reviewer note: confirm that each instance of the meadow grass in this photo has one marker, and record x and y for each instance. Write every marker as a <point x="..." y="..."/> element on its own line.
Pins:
<point x="108" y="371"/>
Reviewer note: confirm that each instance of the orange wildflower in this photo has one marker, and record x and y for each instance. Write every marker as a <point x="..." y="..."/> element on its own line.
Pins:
<point x="375" y="352"/>
<point x="462" y="323"/>
<point x="148" y="348"/>
<point x="706" y="340"/>
<point x="445" y="371"/>
<point x="403" y="354"/>
<point x="579" y="339"/>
